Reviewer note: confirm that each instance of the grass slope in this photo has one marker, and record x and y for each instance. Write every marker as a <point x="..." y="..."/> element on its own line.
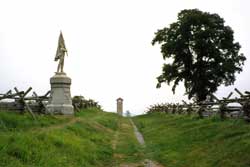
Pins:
<point x="180" y="141"/>
<point x="127" y="150"/>
<point x="84" y="140"/>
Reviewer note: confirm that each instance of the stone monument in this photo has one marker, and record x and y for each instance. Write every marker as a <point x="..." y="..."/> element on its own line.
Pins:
<point x="60" y="100"/>
<point x="119" y="106"/>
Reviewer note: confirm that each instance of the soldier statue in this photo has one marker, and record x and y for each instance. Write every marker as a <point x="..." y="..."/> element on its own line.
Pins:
<point x="60" y="53"/>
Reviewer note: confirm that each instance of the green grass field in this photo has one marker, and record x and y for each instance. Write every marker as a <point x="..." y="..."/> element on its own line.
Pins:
<point x="181" y="141"/>
<point x="127" y="149"/>
<point x="91" y="138"/>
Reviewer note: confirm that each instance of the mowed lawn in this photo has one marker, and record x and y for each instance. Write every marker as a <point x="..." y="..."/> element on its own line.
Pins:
<point x="185" y="141"/>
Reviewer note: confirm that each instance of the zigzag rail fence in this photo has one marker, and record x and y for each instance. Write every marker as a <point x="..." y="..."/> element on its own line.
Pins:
<point x="237" y="107"/>
<point x="23" y="103"/>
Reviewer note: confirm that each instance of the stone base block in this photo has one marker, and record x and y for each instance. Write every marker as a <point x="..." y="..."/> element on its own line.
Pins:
<point x="64" y="109"/>
<point x="60" y="98"/>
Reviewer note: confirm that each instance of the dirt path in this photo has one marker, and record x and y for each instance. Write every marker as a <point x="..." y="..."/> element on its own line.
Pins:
<point x="147" y="162"/>
<point x="115" y="138"/>
<point x="138" y="135"/>
<point x="57" y="126"/>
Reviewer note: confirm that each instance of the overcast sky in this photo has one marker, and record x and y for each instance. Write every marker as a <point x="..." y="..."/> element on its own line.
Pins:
<point x="109" y="46"/>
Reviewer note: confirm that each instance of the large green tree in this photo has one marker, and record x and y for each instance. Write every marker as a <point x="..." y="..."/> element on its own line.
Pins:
<point x="201" y="51"/>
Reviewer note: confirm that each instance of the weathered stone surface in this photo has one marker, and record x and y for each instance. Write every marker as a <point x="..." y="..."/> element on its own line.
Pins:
<point x="119" y="106"/>
<point x="60" y="100"/>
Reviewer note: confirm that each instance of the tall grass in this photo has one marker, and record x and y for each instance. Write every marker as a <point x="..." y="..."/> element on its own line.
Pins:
<point x="16" y="121"/>
<point x="180" y="141"/>
<point x="52" y="141"/>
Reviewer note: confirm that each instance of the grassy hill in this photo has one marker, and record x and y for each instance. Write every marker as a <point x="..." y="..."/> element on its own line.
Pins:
<point x="181" y="141"/>
<point x="91" y="138"/>
<point x="94" y="138"/>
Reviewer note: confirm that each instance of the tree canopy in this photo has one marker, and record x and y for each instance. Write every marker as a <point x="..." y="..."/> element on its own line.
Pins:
<point x="201" y="51"/>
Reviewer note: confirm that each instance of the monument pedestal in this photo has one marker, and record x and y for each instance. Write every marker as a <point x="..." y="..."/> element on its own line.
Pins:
<point x="60" y="102"/>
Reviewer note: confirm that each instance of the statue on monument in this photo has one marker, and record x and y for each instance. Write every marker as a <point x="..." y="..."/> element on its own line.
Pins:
<point x="60" y="98"/>
<point x="60" y="53"/>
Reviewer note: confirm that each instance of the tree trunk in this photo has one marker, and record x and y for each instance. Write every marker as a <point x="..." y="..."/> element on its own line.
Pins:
<point x="200" y="112"/>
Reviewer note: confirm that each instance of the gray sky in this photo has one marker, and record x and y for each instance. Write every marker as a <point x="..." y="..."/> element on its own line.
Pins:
<point x="109" y="45"/>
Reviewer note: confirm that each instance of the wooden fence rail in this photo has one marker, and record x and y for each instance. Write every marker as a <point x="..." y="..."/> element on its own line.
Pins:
<point x="237" y="107"/>
<point x="23" y="102"/>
